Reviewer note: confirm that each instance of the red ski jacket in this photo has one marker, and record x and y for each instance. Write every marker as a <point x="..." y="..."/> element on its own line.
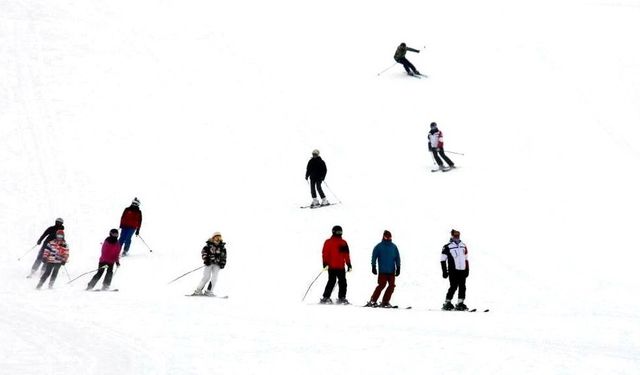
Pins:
<point x="110" y="252"/>
<point x="131" y="218"/>
<point x="335" y="253"/>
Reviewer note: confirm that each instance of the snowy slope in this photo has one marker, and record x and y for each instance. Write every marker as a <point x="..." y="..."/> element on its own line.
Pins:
<point x="208" y="113"/>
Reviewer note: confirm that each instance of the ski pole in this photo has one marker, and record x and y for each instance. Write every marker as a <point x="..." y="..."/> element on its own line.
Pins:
<point x="331" y="191"/>
<point x="70" y="281"/>
<point x="313" y="282"/>
<point x="145" y="244"/>
<point x="27" y="252"/>
<point x="394" y="64"/>
<point x="184" y="274"/>
<point x="65" y="270"/>
<point x="453" y="152"/>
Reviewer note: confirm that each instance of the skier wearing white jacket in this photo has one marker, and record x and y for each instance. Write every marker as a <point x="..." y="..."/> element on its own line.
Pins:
<point x="436" y="146"/>
<point x="214" y="256"/>
<point x="454" y="257"/>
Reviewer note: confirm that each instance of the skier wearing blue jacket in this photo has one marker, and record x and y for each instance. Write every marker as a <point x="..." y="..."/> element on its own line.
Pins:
<point x="387" y="257"/>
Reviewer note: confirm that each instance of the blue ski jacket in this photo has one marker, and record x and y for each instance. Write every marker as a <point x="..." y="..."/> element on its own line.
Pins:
<point x="387" y="255"/>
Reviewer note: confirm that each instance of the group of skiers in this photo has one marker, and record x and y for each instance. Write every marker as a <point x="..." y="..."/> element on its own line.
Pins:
<point x="54" y="252"/>
<point x="385" y="263"/>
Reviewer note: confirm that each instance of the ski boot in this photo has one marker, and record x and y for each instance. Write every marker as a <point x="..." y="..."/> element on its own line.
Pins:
<point x="448" y="306"/>
<point x="326" y="301"/>
<point x="315" y="203"/>
<point x="417" y="73"/>
<point x="343" y="301"/>
<point x="197" y="293"/>
<point x="209" y="293"/>
<point x="371" y="304"/>
<point x="460" y="306"/>
<point x="324" y="202"/>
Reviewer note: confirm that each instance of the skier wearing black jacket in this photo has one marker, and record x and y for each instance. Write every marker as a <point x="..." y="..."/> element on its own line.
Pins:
<point x="48" y="236"/>
<point x="316" y="171"/>
<point x="454" y="257"/>
<point x="399" y="56"/>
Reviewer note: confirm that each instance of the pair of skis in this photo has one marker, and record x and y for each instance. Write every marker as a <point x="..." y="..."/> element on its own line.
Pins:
<point x="318" y="206"/>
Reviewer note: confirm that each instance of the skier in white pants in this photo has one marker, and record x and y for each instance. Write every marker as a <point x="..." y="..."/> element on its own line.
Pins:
<point x="214" y="256"/>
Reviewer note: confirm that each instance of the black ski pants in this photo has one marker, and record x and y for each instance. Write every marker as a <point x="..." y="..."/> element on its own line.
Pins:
<point x="316" y="185"/>
<point x="107" y="278"/>
<point x="457" y="280"/>
<point x="408" y="66"/>
<point x="50" y="269"/>
<point x="439" y="151"/>
<point x="334" y="274"/>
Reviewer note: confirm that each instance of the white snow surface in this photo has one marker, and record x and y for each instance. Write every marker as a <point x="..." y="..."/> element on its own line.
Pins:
<point x="208" y="112"/>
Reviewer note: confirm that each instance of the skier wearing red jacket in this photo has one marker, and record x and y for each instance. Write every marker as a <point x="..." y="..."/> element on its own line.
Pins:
<point x="130" y="223"/>
<point x="109" y="256"/>
<point x="436" y="146"/>
<point x="335" y="255"/>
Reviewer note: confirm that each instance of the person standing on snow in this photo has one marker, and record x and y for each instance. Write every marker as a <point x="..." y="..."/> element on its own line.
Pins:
<point x="399" y="56"/>
<point x="130" y="223"/>
<point x="436" y="146"/>
<point x="56" y="254"/>
<point x="387" y="256"/>
<point x="455" y="266"/>
<point x="316" y="171"/>
<point x="335" y="255"/>
<point x="214" y="256"/>
<point x="109" y="256"/>
<point x="48" y="235"/>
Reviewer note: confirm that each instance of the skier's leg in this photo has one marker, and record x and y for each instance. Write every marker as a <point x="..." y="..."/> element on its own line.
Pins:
<point x="435" y="156"/>
<point x="215" y="269"/>
<point x="319" y="188"/>
<point x="342" y="284"/>
<point x="54" y="274"/>
<point x="331" y="282"/>
<point x="382" y="281"/>
<point x="446" y="158"/>
<point x="312" y="184"/>
<point x="391" y="279"/>
<point x="462" y="288"/>
<point x="413" y="68"/>
<point x="405" y="63"/>
<point x="47" y="271"/>
<point x="38" y="261"/>
<point x="96" y="277"/>
<point x="125" y="238"/>
<point x="453" y="285"/>
<point x="106" y="283"/>
<point x="206" y="276"/>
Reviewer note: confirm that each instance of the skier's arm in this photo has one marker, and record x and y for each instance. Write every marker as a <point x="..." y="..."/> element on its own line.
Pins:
<point x="45" y="234"/>
<point x="443" y="261"/>
<point x="413" y="50"/>
<point x="139" y="224"/>
<point x="223" y="257"/>
<point x="397" y="262"/>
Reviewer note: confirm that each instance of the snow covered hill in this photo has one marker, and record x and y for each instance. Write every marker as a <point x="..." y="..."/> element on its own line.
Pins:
<point x="208" y="113"/>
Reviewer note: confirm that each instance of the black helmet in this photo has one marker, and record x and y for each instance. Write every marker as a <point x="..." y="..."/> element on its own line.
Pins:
<point x="336" y="230"/>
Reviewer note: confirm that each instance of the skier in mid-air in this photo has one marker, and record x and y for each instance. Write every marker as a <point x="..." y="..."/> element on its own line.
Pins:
<point x="48" y="235"/>
<point x="387" y="257"/>
<point x="455" y="266"/>
<point x="335" y="255"/>
<point x="399" y="56"/>
<point x="316" y="171"/>
<point x="436" y="146"/>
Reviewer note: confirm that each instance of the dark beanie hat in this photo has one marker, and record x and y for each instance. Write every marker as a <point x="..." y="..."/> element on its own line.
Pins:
<point x="336" y="230"/>
<point x="386" y="235"/>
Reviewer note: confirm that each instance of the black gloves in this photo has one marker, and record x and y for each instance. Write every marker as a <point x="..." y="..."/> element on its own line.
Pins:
<point x="118" y="264"/>
<point x="349" y="268"/>
<point x="445" y="274"/>
<point x="374" y="270"/>
<point x="38" y="243"/>
<point x="324" y="265"/>
<point x="443" y="265"/>
<point x="138" y="232"/>
<point x="398" y="271"/>
<point x="63" y="263"/>
<point x="207" y="262"/>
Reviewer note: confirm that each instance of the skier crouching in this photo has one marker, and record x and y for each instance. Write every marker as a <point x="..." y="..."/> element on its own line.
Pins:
<point x="214" y="256"/>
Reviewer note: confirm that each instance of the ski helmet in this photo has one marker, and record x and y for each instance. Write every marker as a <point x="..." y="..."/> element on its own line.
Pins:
<point x="113" y="232"/>
<point x="59" y="220"/>
<point x="336" y="230"/>
<point x="60" y="234"/>
<point x="434" y="125"/>
<point x="135" y="202"/>
<point x="386" y="235"/>
<point x="315" y="152"/>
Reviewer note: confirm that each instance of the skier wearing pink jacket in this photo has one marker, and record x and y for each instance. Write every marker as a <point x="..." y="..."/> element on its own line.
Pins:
<point x="110" y="255"/>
